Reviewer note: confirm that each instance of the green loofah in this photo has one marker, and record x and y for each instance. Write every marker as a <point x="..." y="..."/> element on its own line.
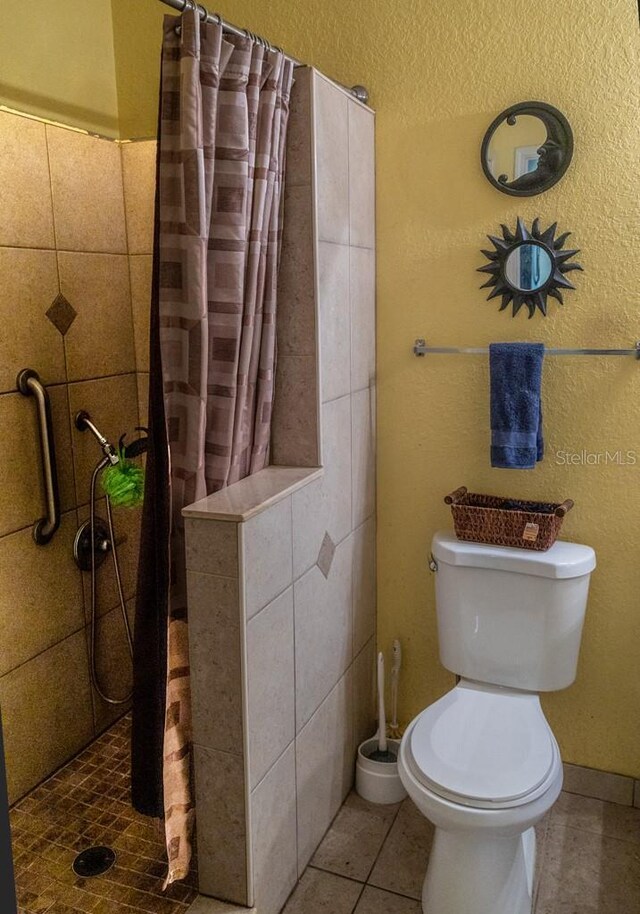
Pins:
<point x="124" y="483"/>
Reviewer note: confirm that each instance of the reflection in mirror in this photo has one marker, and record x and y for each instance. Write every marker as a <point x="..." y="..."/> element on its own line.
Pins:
<point x="528" y="267"/>
<point x="514" y="148"/>
<point x="527" y="149"/>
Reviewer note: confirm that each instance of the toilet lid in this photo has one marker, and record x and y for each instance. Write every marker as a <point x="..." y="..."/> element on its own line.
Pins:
<point x="479" y="744"/>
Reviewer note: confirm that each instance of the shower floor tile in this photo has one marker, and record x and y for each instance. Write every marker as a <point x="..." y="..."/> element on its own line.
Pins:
<point x="87" y="803"/>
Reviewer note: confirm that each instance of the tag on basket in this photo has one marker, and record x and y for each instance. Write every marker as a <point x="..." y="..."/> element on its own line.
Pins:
<point x="530" y="533"/>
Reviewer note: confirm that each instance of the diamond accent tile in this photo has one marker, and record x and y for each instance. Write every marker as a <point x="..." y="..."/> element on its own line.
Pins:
<point x="61" y="314"/>
<point x="325" y="556"/>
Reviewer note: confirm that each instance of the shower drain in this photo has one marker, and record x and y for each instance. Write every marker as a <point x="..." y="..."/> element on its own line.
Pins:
<point x="94" y="861"/>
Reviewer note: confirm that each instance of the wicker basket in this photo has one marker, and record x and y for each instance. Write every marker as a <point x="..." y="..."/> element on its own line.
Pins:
<point x="484" y="519"/>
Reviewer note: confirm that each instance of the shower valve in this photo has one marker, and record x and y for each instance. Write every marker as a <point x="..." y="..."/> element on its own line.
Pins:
<point x="102" y="544"/>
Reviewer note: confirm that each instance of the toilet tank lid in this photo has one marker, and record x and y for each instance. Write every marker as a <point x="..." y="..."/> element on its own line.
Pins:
<point x="562" y="560"/>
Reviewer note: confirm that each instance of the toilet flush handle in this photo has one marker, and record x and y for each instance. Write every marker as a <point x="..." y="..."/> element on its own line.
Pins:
<point x="433" y="565"/>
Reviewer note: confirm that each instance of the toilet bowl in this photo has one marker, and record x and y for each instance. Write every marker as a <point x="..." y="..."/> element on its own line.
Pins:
<point x="484" y="797"/>
<point x="482" y="763"/>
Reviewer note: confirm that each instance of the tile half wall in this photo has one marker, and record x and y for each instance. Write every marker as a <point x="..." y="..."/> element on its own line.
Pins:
<point x="281" y="566"/>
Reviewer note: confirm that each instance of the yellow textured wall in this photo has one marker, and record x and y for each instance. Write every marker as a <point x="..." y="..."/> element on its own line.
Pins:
<point x="438" y="73"/>
<point x="57" y="61"/>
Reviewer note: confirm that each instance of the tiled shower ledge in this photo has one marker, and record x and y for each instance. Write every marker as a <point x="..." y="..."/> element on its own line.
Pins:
<point x="250" y="496"/>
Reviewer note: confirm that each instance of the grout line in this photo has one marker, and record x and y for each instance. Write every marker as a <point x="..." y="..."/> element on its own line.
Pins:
<point x="383" y="845"/>
<point x="590" y="796"/>
<point x="104" y="377"/>
<point x="583" y="828"/>
<point x="363" y="883"/>
<point x="47" y="384"/>
<point x="326" y="869"/>
<point x="259" y="612"/>
<point x="393" y="892"/>
<point x="246" y="742"/>
<point x="253" y="789"/>
<point x="56" y="250"/>
<point x="358" y="899"/>
<point x="83" y="253"/>
<point x="225" y="577"/>
<point x="130" y="282"/>
<point x="348" y="244"/>
<point x="53" y="207"/>
<point x="29" y="526"/>
<point x="295" y="693"/>
<point x="29" y="247"/>
<point x="49" y="647"/>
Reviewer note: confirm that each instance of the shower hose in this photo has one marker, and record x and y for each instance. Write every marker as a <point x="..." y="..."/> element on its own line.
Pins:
<point x="94" y="609"/>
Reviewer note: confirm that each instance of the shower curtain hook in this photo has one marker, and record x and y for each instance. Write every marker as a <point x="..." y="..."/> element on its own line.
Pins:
<point x="188" y="5"/>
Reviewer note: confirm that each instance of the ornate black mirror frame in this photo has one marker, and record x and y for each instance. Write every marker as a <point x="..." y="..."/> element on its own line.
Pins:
<point x="555" y="155"/>
<point x="552" y="286"/>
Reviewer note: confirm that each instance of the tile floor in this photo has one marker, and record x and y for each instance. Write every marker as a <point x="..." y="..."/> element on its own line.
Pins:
<point x="373" y="860"/>
<point x="87" y="803"/>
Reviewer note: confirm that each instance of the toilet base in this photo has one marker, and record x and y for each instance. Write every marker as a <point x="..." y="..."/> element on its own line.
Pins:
<point x="469" y="874"/>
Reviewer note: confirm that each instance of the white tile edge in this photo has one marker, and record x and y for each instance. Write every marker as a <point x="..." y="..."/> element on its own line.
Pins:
<point x="315" y="244"/>
<point x="216" y="506"/>
<point x="344" y="89"/>
<point x="244" y="673"/>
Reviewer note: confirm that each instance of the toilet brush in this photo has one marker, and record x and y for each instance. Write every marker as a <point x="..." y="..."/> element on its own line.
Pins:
<point x="382" y="752"/>
<point x="377" y="776"/>
<point x="394" y="727"/>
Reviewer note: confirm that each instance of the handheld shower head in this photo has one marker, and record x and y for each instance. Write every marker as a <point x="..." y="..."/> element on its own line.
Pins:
<point x="84" y="423"/>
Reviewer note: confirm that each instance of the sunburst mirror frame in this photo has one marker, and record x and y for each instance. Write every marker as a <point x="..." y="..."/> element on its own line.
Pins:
<point x="497" y="267"/>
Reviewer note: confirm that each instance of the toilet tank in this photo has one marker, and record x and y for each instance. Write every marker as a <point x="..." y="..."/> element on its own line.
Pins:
<point x="511" y="617"/>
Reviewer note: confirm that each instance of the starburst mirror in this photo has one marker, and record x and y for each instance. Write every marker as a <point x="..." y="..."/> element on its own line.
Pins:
<point x="528" y="266"/>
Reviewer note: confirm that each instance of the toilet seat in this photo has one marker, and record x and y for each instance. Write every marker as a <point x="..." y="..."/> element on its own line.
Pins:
<point x="484" y="747"/>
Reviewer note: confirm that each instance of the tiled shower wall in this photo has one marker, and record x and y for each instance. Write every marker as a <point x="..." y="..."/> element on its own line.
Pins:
<point x="282" y="565"/>
<point x="75" y="245"/>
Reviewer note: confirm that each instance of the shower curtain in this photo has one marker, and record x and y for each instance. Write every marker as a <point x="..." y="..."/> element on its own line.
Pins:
<point x="224" y="109"/>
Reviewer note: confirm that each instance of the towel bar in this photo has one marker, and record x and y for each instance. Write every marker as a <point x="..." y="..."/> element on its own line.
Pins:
<point x="420" y="348"/>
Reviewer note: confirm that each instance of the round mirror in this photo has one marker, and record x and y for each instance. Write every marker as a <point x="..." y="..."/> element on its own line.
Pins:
<point x="528" y="267"/>
<point x="527" y="149"/>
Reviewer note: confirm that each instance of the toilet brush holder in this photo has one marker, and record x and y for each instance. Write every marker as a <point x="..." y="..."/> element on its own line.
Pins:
<point x="378" y="782"/>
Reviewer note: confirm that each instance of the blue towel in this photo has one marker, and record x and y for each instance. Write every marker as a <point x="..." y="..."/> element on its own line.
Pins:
<point x="516" y="412"/>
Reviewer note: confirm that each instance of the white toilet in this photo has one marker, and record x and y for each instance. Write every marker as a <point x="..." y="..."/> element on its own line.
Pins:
<point x="481" y="763"/>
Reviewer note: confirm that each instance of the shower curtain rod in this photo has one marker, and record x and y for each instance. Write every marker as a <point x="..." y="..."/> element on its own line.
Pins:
<point x="206" y="16"/>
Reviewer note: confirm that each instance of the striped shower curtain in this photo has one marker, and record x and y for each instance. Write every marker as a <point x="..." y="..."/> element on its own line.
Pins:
<point x="223" y="120"/>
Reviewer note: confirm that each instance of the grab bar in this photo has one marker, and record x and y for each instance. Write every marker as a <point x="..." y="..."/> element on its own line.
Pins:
<point x="28" y="383"/>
